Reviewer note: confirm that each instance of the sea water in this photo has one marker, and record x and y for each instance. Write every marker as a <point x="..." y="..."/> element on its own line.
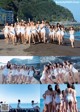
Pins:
<point x="22" y="105"/>
<point x="42" y="104"/>
<point x="77" y="35"/>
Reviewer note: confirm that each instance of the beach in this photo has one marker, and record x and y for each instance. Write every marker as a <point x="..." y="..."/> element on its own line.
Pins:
<point x="40" y="49"/>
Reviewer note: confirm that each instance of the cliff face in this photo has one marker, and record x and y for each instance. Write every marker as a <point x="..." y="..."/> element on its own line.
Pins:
<point x="38" y="10"/>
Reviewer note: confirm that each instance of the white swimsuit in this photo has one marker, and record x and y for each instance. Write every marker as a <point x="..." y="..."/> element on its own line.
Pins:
<point x="6" y="30"/>
<point x="31" y="73"/>
<point x="69" y="97"/>
<point x="12" y="31"/>
<point x="43" y="77"/>
<point x="5" y="71"/>
<point x="34" y="31"/>
<point x="28" y="30"/>
<point x="55" y="72"/>
<point x="58" y="32"/>
<point x="16" y="72"/>
<point x="60" y="70"/>
<point x="22" y="30"/>
<point x="22" y="71"/>
<point x="71" y="35"/>
<point x="57" y="99"/>
<point x="26" y="72"/>
<point x="13" y="72"/>
<point x="18" y="30"/>
<point x="43" y="30"/>
<point x="62" y="33"/>
<point x="48" y="99"/>
<point x="73" y="69"/>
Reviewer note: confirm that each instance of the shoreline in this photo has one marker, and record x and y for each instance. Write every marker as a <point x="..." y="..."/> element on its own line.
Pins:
<point x="41" y="49"/>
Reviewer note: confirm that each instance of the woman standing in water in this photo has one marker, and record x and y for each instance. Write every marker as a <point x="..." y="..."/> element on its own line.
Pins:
<point x="71" y="32"/>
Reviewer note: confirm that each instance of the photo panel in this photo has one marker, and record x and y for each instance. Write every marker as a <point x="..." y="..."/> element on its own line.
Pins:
<point x="59" y="97"/>
<point x="60" y="69"/>
<point x="40" y="27"/>
<point x="20" y="98"/>
<point x="19" y="69"/>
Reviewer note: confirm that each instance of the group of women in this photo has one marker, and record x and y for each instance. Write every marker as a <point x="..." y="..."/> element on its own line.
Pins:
<point x="60" y="73"/>
<point x="23" y="32"/>
<point x="13" y="73"/>
<point x="60" y="101"/>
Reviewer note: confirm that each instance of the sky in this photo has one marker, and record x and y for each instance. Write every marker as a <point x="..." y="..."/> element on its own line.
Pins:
<point x="5" y="59"/>
<point x="72" y="5"/>
<point x="43" y="88"/>
<point x="26" y="93"/>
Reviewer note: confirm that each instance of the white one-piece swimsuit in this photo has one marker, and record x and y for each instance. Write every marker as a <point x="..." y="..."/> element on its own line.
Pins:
<point x="48" y="99"/>
<point x="69" y="97"/>
<point x="43" y="76"/>
<point x="71" y="35"/>
<point x="57" y="99"/>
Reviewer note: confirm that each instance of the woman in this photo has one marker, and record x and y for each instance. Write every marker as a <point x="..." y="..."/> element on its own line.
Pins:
<point x="51" y="75"/>
<point x="56" y="73"/>
<point x="58" y="98"/>
<point x="63" y="101"/>
<point x="51" y="33"/>
<point x="43" y="31"/>
<point x="74" y="72"/>
<point x="6" y="32"/>
<point x="12" y="34"/>
<point x="34" y="32"/>
<point x="25" y="74"/>
<point x="71" y="32"/>
<point x="28" y="32"/>
<point x="10" y="75"/>
<point x="18" y="33"/>
<point x="14" y="74"/>
<point x="45" y="74"/>
<point x="59" y="33"/>
<point x="62" y="34"/>
<point x="5" y="74"/>
<point x="18" y="74"/>
<point x="70" y="76"/>
<point x="22" y="33"/>
<point x="48" y="98"/>
<point x="31" y="73"/>
<point x="74" y="99"/>
<point x="60" y="71"/>
<point x="22" y="73"/>
<point x="69" y="98"/>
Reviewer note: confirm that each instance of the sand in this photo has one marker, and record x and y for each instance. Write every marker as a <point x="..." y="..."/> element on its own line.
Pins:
<point x="40" y="49"/>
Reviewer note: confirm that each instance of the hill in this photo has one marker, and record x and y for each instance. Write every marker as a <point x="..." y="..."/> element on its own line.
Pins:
<point x="37" y="10"/>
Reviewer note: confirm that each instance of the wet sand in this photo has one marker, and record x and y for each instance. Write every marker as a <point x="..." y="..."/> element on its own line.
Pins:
<point x="40" y="49"/>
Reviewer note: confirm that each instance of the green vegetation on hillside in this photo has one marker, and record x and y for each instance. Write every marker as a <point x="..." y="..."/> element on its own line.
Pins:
<point x="37" y="10"/>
